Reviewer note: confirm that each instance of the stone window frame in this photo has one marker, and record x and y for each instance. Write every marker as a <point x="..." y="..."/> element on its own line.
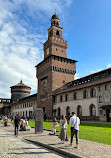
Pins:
<point x="85" y="94"/>
<point x="61" y="98"/>
<point x="100" y="99"/>
<point x="92" y="92"/>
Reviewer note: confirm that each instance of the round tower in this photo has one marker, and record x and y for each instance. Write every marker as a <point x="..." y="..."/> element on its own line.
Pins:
<point x="19" y="91"/>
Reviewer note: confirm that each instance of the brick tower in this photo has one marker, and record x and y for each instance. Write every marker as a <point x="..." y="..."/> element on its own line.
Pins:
<point x="56" y="69"/>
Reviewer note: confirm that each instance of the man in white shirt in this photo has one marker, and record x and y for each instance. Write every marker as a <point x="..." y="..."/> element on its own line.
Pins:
<point x="74" y="122"/>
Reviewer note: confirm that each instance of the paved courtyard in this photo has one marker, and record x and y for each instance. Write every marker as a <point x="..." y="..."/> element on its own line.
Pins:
<point x="86" y="149"/>
<point x="15" y="147"/>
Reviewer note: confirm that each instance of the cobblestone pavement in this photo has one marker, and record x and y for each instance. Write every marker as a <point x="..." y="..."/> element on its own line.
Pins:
<point x="86" y="149"/>
<point x="15" y="147"/>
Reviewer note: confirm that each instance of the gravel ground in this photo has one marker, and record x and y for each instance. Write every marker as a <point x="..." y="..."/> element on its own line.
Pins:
<point x="15" y="147"/>
<point x="87" y="149"/>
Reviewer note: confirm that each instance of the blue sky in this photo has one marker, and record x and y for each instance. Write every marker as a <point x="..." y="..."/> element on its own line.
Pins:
<point x="23" y="30"/>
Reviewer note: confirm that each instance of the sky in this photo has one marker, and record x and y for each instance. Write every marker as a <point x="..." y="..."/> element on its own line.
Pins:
<point x="23" y="31"/>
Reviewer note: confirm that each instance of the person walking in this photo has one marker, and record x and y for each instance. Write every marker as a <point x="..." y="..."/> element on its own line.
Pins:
<point x="63" y="132"/>
<point x="16" y="124"/>
<point x="74" y="122"/>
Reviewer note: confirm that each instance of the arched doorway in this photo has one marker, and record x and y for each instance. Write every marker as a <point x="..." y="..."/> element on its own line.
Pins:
<point x="92" y="109"/>
<point x="26" y="113"/>
<point x="68" y="112"/>
<point x="59" y="112"/>
<point x="107" y="115"/>
<point x="23" y="113"/>
<point x="79" y="111"/>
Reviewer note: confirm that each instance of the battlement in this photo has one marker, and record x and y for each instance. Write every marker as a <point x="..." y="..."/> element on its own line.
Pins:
<point x="56" y="40"/>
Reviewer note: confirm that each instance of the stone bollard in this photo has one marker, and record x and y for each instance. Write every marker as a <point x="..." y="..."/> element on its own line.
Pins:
<point x="38" y="120"/>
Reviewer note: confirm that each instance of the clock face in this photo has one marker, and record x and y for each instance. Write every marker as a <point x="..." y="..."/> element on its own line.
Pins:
<point x="47" y="51"/>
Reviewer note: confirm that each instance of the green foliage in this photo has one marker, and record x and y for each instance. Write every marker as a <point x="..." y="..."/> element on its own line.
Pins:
<point x="95" y="132"/>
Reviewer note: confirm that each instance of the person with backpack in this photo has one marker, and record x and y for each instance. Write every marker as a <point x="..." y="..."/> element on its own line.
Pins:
<point x="74" y="122"/>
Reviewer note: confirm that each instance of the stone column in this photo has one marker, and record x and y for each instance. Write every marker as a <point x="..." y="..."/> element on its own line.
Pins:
<point x="38" y="120"/>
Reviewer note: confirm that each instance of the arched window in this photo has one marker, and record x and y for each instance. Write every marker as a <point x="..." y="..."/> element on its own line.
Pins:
<point x="57" y="32"/>
<point x="92" y="109"/>
<point x="57" y="23"/>
<point x="61" y="98"/>
<point x="66" y="97"/>
<point x="68" y="112"/>
<point x="74" y="96"/>
<point x="59" y="112"/>
<point x="79" y="111"/>
<point x="92" y="92"/>
<point x="100" y="99"/>
<point x="85" y="94"/>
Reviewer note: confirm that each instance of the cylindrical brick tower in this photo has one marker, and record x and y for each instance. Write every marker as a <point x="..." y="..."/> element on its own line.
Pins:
<point x="19" y="91"/>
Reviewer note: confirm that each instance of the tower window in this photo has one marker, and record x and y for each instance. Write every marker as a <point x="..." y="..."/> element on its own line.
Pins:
<point x="57" y="23"/>
<point x="63" y="82"/>
<point x="56" y="49"/>
<point x="57" y="32"/>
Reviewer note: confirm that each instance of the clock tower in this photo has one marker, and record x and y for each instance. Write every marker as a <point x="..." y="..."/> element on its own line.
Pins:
<point x="56" y="69"/>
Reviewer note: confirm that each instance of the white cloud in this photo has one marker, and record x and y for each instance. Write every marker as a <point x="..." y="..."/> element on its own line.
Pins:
<point x="94" y="71"/>
<point x="21" y="39"/>
<point x="77" y="76"/>
<point x="109" y="66"/>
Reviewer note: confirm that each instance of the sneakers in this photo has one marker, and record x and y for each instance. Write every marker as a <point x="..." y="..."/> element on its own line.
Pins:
<point x="76" y="146"/>
<point x="62" y="142"/>
<point x="69" y="144"/>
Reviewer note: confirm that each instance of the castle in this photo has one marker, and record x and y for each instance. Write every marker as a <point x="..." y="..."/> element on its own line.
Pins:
<point x="58" y="92"/>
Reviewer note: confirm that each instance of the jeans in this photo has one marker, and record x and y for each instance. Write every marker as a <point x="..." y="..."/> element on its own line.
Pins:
<point x="74" y="132"/>
<point x="16" y="130"/>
